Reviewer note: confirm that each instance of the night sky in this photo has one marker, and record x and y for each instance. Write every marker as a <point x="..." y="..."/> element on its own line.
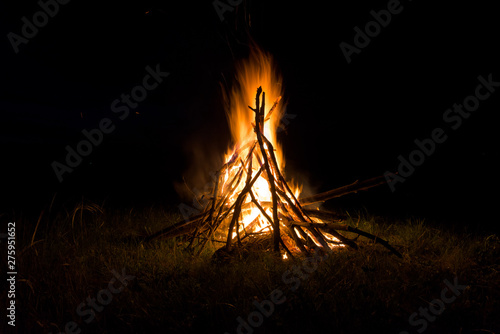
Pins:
<point x="351" y="120"/>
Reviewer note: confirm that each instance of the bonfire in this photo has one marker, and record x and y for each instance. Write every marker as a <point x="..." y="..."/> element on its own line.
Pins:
<point x="251" y="198"/>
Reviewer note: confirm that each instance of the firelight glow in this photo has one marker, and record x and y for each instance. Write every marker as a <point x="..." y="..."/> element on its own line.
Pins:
<point x="257" y="71"/>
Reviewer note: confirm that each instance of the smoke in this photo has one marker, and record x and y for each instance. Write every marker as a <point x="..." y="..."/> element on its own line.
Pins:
<point x="204" y="157"/>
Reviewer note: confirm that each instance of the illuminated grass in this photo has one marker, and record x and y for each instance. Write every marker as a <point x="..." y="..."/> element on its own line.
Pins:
<point x="72" y="253"/>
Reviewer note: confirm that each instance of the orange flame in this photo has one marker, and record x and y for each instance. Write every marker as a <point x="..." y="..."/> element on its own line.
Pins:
<point x="257" y="71"/>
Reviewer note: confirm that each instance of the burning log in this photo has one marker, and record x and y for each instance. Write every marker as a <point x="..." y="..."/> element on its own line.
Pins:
<point x="262" y="202"/>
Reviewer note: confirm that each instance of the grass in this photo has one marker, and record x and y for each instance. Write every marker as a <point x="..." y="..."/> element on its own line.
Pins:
<point x="68" y="256"/>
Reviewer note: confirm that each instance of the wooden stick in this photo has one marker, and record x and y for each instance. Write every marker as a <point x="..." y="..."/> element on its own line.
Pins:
<point x="237" y="207"/>
<point x="249" y="175"/>
<point x="239" y="174"/>
<point x="344" y="190"/>
<point x="332" y="227"/>
<point x="375" y="239"/>
<point x="268" y="117"/>
<point x="327" y="215"/>
<point x="296" y="204"/>
<point x="212" y="209"/>
<point x="295" y="237"/>
<point x="264" y="213"/>
<point x="333" y="232"/>
<point x="237" y="153"/>
<point x="296" y="209"/>
<point x="177" y="226"/>
<point x="259" y="120"/>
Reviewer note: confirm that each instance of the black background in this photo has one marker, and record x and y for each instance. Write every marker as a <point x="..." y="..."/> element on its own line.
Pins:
<point x="352" y="120"/>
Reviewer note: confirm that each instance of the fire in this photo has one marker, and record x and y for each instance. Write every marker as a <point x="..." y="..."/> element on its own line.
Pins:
<point x="257" y="71"/>
<point x="250" y="195"/>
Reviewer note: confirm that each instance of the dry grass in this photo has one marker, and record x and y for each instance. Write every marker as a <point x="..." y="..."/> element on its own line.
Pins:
<point x="68" y="256"/>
